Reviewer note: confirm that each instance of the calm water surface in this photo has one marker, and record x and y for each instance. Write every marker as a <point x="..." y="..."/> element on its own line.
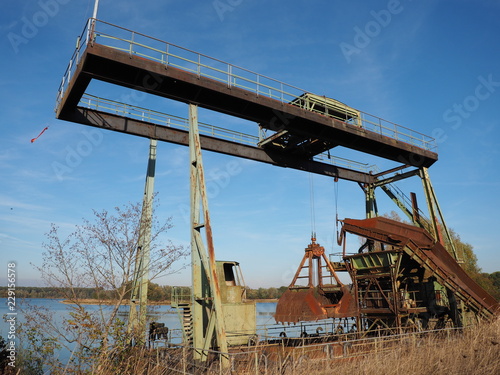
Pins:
<point x="164" y="314"/>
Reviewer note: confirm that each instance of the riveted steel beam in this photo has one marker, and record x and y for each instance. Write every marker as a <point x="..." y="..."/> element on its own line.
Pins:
<point x="122" y="124"/>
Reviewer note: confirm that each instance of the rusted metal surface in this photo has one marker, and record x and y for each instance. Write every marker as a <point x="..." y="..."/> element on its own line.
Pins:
<point x="388" y="231"/>
<point x="315" y="302"/>
<point x="435" y="262"/>
<point x="304" y="304"/>
<point x="453" y="276"/>
<point x="119" y="123"/>
<point x="311" y="304"/>
<point x="121" y="68"/>
<point x="206" y="287"/>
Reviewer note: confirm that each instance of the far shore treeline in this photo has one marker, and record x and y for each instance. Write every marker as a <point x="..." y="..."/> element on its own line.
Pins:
<point x="163" y="293"/>
<point x="155" y="292"/>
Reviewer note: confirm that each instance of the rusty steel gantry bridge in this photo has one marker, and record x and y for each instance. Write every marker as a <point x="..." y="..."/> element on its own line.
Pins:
<point x="293" y="128"/>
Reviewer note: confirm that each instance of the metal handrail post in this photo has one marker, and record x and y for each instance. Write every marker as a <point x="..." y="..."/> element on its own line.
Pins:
<point x="131" y="44"/>
<point x="199" y="65"/>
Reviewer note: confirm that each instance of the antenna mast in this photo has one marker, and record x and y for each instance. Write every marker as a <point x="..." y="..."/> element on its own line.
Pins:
<point x="96" y="6"/>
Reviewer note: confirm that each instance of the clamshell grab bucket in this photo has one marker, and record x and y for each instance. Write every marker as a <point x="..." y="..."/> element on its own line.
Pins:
<point x="315" y="302"/>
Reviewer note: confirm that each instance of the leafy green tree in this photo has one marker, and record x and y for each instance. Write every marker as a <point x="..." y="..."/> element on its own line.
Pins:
<point x="494" y="282"/>
<point x="272" y="293"/>
<point x="265" y="293"/>
<point x="495" y="278"/>
<point x="155" y="292"/>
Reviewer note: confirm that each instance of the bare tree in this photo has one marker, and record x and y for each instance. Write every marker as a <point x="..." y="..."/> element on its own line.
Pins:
<point x="100" y="254"/>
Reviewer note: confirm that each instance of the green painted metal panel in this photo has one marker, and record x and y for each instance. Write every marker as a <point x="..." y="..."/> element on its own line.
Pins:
<point x="382" y="259"/>
<point x="240" y="321"/>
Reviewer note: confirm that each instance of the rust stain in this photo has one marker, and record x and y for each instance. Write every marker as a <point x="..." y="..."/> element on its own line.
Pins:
<point x="315" y="302"/>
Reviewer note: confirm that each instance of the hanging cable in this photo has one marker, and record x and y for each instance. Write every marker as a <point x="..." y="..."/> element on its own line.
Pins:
<point x="336" y="198"/>
<point x="336" y="190"/>
<point x="313" y="213"/>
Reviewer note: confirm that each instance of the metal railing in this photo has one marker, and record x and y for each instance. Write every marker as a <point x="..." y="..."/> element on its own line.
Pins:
<point x="167" y="120"/>
<point x="406" y="201"/>
<point x="180" y="296"/>
<point x="325" y="157"/>
<point x="277" y="357"/>
<point x="81" y="45"/>
<point x="137" y="44"/>
<point x="162" y="119"/>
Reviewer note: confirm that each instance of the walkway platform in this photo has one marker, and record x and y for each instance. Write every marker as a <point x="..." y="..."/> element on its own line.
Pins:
<point x="298" y="125"/>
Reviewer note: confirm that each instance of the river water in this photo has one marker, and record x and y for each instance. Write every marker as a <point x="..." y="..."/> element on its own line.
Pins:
<point x="159" y="313"/>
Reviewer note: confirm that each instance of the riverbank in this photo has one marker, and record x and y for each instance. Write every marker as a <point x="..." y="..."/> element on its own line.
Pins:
<point x="90" y="301"/>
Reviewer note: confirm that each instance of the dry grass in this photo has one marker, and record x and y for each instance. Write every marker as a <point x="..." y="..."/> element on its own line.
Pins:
<point x="474" y="351"/>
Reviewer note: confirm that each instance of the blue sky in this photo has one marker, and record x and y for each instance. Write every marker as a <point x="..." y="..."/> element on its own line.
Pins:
<point x="428" y="65"/>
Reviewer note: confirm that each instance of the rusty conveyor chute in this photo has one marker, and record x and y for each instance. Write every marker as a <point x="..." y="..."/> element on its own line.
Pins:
<point x="430" y="254"/>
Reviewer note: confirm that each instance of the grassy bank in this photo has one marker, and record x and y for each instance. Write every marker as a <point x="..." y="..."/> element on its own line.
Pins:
<point x="474" y="351"/>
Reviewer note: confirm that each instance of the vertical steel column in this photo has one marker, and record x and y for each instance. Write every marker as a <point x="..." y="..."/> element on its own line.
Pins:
<point x="96" y="7"/>
<point x="371" y="203"/>
<point x="401" y="205"/>
<point x="424" y="176"/>
<point x="139" y="292"/>
<point x="433" y="205"/>
<point x="395" y="299"/>
<point x="310" y="268"/>
<point x="208" y="318"/>
<point x="359" y="319"/>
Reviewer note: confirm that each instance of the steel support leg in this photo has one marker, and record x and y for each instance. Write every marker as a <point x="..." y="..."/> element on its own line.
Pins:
<point x="371" y="203"/>
<point x="434" y="210"/>
<point x="139" y="292"/>
<point x="208" y="317"/>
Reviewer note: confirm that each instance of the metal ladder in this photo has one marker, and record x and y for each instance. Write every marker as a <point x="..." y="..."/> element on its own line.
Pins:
<point x="187" y="322"/>
<point x="182" y="304"/>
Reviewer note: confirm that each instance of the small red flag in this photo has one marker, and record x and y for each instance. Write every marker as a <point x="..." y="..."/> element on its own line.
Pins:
<point x="34" y="139"/>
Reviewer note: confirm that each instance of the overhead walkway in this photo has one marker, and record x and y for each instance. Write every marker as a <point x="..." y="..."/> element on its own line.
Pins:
<point x="139" y="121"/>
<point x="299" y="125"/>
